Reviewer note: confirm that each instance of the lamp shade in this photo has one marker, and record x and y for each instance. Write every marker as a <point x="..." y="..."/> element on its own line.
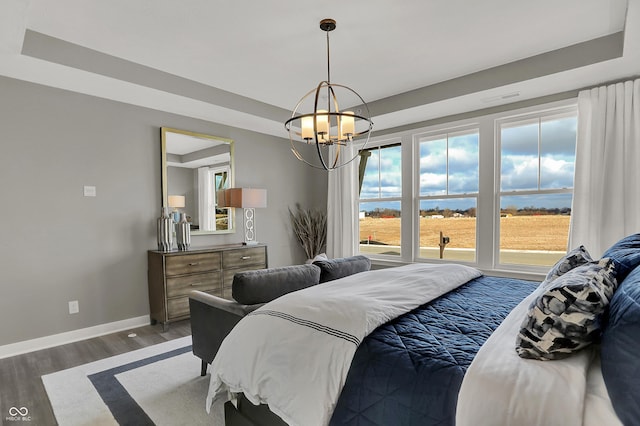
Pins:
<point x="248" y="198"/>
<point x="176" y="201"/>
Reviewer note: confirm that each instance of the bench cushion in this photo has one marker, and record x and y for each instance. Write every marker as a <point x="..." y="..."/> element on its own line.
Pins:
<point x="264" y="285"/>
<point x="332" y="269"/>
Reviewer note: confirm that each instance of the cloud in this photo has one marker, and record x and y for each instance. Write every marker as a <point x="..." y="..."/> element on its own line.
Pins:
<point x="556" y="173"/>
<point x="461" y="153"/>
<point x="558" y="137"/>
<point x="519" y="172"/>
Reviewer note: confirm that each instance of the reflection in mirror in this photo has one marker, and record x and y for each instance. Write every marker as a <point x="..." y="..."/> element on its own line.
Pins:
<point x="194" y="167"/>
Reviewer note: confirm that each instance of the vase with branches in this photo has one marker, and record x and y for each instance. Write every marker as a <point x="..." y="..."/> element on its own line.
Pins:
<point x="310" y="227"/>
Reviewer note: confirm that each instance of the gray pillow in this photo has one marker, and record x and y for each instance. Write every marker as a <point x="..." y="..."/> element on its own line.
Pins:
<point x="264" y="285"/>
<point x="332" y="269"/>
<point x="576" y="257"/>
<point x="566" y="317"/>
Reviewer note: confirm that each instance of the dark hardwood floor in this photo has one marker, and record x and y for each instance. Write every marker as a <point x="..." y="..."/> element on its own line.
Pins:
<point x="20" y="382"/>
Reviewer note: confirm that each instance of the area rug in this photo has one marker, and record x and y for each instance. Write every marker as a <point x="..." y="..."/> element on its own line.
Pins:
<point x="157" y="385"/>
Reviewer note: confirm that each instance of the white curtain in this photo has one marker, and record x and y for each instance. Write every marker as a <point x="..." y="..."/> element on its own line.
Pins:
<point x="606" y="200"/>
<point x="205" y="200"/>
<point x="342" y="208"/>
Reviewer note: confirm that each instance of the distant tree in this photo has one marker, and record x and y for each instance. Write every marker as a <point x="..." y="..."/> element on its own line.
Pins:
<point x="512" y="210"/>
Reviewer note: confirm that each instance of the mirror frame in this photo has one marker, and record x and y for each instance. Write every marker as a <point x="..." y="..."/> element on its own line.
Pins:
<point x="164" y="172"/>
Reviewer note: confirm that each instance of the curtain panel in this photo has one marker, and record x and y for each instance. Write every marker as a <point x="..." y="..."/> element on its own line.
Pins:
<point x="205" y="200"/>
<point x="342" y="207"/>
<point x="606" y="199"/>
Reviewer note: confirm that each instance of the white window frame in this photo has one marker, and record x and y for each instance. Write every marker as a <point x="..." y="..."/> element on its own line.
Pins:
<point x="568" y="111"/>
<point x="380" y="144"/>
<point x="487" y="209"/>
<point x="448" y="132"/>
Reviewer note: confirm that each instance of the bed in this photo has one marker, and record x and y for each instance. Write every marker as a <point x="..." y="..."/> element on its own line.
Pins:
<point x="416" y="359"/>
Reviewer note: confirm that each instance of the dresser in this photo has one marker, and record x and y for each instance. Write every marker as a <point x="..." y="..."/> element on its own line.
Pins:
<point x="172" y="275"/>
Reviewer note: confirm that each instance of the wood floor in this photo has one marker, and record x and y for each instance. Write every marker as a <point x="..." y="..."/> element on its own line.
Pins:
<point x="20" y="382"/>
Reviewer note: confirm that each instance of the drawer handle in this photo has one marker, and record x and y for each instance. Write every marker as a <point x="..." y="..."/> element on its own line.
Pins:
<point x="194" y="264"/>
<point x="245" y="257"/>
<point x="195" y="284"/>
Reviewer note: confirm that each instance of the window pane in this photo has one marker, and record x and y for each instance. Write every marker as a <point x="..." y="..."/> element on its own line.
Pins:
<point x="383" y="173"/>
<point x="534" y="229"/>
<point x="433" y="167"/>
<point x="557" y="152"/>
<point x="390" y="172"/>
<point x="519" y="156"/>
<point x="463" y="164"/>
<point x="456" y="219"/>
<point x="380" y="228"/>
<point x="371" y="180"/>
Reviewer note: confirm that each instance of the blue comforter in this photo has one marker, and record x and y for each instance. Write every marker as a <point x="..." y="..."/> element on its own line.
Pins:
<point x="409" y="370"/>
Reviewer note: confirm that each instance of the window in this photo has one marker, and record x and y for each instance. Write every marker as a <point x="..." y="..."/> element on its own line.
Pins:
<point x="537" y="162"/>
<point x="219" y="177"/>
<point x="380" y="197"/>
<point x="494" y="191"/>
<point x="448" y="195"/>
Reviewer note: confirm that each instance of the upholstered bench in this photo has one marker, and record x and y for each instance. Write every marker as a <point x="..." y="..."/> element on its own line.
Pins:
<point x="212" y="317"/>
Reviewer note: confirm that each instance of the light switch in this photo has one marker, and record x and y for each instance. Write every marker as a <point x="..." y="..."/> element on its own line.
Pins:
<point x="89" y="191"/>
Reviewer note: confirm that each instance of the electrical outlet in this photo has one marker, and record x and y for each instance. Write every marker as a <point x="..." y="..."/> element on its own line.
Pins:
<point x="74" y="308"/>
<point x="89" y="191"/>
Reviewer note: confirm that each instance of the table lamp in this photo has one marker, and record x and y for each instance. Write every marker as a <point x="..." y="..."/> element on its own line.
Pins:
<point x="247" y="199"/>
<point x="176" y="202"/>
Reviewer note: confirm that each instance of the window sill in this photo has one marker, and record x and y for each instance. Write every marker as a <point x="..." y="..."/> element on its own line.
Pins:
<point x="506" y="273"/>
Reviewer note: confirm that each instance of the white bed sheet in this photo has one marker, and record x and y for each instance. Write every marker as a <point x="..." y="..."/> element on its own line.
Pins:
<point x="502" y="389"/>
<point x="294" y="353"/>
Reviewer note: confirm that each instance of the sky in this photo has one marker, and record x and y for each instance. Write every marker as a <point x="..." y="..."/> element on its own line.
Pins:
<point x="521" y="166"/>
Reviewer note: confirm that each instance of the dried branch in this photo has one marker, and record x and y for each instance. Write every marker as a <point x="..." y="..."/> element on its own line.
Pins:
<point x="310" y="227"/>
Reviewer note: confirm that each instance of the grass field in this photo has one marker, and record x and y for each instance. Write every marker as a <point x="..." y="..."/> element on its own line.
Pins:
<point x="545" y="233"/>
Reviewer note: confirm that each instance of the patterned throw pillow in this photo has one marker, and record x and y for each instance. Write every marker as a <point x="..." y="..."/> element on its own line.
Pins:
<point x="566" y="316"/>
<point x="576" y="257"/>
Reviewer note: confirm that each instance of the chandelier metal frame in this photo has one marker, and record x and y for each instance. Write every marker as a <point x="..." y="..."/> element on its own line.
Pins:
<point x="344" y="122"/>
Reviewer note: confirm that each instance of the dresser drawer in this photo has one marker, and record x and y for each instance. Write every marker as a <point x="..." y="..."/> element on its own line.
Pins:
<point x="179" y="306"/>
<point x="242" y="257"/>
<point x="190" y="263"/>
<point x="173" y="275"/>
<point x="181" y="286"/>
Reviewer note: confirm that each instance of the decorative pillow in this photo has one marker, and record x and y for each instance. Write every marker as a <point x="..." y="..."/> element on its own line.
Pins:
<point x="576" y="257"/>
<point x="566" y="317"/>
<point x="620" y="349"/>
<point x="264" y="285"/>
<point x="625" y="254"/>
<point x="332" y="269"/>
<point x="321" y="256"/>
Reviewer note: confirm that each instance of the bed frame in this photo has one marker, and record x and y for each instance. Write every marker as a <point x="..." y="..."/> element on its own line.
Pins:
<point x="247" y="414"/>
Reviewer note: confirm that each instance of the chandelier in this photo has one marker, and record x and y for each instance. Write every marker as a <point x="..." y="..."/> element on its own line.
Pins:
<point x="325" y="124"/>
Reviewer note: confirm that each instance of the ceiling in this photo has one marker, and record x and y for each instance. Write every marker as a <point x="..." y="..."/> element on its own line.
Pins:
<point x="247" y="63"/>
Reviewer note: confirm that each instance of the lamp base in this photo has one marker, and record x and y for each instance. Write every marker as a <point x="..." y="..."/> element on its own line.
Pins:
<point x="249" y="227"/>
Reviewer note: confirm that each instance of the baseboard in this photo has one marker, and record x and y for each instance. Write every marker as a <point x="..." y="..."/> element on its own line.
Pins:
<point x="45" y="342"/>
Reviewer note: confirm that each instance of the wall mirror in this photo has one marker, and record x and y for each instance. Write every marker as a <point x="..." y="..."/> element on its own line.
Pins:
<point x="194" y="167"/>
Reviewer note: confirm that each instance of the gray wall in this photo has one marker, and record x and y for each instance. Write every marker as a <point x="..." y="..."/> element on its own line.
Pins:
<point x="58" y="245"/>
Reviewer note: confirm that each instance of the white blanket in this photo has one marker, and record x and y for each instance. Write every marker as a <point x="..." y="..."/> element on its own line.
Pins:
<point x="502" y="389"/>
<point x="294" y="353"/>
